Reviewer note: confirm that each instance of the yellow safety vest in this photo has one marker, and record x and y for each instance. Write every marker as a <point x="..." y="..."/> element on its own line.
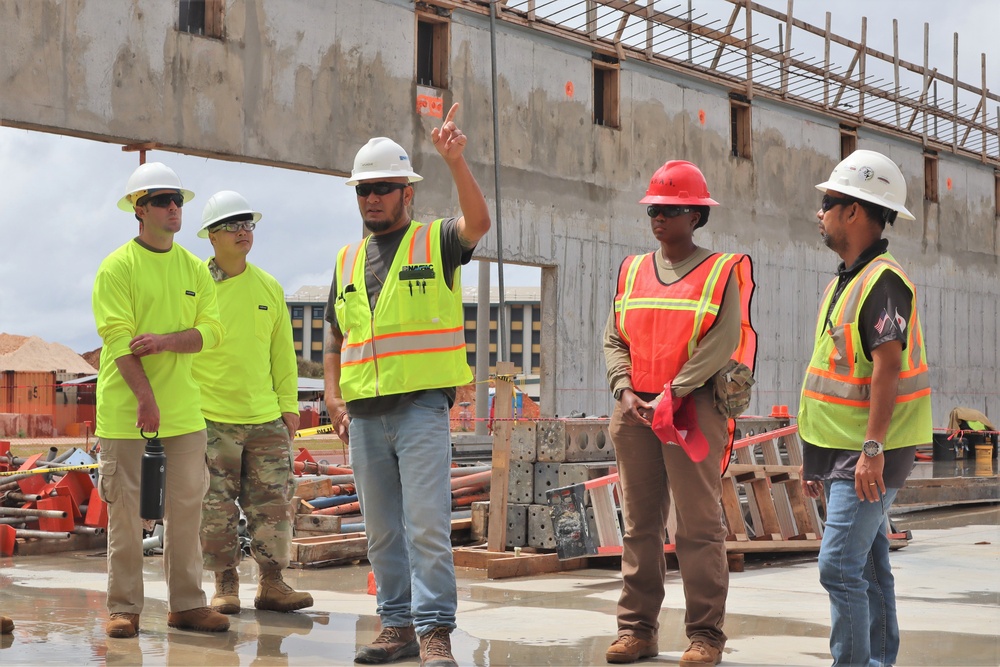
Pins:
<point x="415" y="338"/>
<point x="836" y="393"/>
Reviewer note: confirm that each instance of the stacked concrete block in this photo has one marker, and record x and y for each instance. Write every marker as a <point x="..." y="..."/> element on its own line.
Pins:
<point x="546" y="455"/>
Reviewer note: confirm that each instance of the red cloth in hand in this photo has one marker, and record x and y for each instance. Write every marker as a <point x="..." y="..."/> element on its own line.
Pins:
<point x="676" y="423"/>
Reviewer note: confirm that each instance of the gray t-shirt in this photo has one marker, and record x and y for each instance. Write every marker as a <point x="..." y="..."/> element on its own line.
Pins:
<point x="381" y="252"/>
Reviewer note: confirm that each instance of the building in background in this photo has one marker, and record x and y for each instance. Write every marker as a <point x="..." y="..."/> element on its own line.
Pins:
<point x="522" y="318"/>
<point x="307" y="308"/>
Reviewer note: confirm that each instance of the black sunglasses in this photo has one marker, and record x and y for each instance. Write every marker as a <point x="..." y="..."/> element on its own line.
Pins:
<point x="829" y="202"/>
<point x="382" y="188"/>
<point x="164" y="200"/>
<point x="654" y="210"/>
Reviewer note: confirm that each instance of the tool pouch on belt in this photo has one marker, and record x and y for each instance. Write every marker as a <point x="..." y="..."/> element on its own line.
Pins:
<point x="732" y="389"/>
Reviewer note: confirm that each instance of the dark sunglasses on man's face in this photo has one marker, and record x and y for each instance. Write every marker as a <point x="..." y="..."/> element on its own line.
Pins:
<point x="654" y="210"/>
<point x="829" y="202"/>
<point x="382" y="188"/>
<point x="164" y="200"/>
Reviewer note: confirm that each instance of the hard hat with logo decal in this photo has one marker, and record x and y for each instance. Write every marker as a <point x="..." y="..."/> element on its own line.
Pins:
<point x="871" y="177"/>
<point x="382" y="157"/>
<point x="680" y="183"/>
<point x="223" y="205"/>
<point x="150" y="177"/>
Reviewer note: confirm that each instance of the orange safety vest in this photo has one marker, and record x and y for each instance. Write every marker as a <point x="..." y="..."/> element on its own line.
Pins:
<point x="662" y="324"/>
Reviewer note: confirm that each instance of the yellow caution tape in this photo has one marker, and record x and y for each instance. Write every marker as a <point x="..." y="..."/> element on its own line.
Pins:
<point x="42" y="471"/>
<point x="315" y="430"/>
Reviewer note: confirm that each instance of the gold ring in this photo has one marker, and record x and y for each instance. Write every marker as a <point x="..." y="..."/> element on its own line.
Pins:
<point x="872" y="484"/>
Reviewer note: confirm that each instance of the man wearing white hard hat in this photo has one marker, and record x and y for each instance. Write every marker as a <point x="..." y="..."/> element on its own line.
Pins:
<point x="394" y="356"/>
<point x="249" y="388"/>
<point x="865" y="406"/>
<point x="155" y="307"/>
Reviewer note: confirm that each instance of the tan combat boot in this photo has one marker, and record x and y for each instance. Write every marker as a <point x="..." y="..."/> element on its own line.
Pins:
<point x="273" y="594"/>
<point x="122" y="625"/>
<point x="6" y="625"/>
<point x="227" y="592"/>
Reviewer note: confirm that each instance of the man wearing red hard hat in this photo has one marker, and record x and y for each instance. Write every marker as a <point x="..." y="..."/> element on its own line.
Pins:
<point x="679" y="334"/>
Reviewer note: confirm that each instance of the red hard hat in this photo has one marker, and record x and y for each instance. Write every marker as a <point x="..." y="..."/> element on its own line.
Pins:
<point x="678" y="182"/>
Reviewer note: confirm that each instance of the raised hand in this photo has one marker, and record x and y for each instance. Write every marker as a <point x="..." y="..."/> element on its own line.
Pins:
<point x="448" y="139"/>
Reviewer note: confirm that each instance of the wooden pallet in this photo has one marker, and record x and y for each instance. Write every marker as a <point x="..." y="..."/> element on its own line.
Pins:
<point x="764" y="506"/>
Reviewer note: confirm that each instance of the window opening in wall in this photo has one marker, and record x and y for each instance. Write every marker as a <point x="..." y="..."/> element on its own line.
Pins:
<point x="739" y="121"/>
<point x="201" y="17"/>
<point x="931" y="176"/>
<point x="848" y="140"/>
<point x="996" y="198"/>
<point x="432" y="50"/>
<point x="606" y="86"/>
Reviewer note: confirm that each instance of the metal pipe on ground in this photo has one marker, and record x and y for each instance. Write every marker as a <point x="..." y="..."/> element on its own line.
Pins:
<point x="469" y="470"/>
<point x="43" y="534"/>
<point x="88" y="530"/>
<point x="471" y="480"/>
<point x="44" y="514"/>
<point x="332" y="501"/>
<point x="13" y="520"/>
<point x="310" y="468"/>
<point x="360" y="527"/>
<point x="16" y="497"/>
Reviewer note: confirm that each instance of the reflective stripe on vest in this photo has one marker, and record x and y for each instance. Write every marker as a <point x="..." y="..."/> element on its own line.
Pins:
<point x="680" y="314"/>
<point x="415" y="338"/>
<point x="836" y="393"/>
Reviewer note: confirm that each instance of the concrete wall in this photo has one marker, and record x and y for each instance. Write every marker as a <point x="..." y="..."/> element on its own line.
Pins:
<point x="304" y="83"/>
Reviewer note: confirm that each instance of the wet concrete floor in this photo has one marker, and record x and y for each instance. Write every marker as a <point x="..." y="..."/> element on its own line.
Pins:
<point x="947" y="581"/>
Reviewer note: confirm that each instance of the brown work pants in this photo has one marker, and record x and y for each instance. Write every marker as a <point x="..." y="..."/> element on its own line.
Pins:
<point x="648" y="470"/>
<point x="186" y="484"/>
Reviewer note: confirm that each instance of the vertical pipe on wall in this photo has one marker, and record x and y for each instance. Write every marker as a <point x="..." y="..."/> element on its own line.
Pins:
<point x="501" y="318"/>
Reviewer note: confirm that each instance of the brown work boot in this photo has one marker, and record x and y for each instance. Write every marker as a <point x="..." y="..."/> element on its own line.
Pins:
<point x="6" y="625"/>
<point x="121" y="625"/>
<point x="227" y="592"/>
<point x="202" y="619"/>
<point x="273" y="594"/>
<point x="435" y="648"/>
<point x="629" y="649"/>
<point x="391" y="644"/>
<point x="701" y="653"/>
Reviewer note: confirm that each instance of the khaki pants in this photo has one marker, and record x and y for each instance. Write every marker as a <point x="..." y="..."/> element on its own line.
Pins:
<point x="187" y="481"/>
<point x="648" y="471"/>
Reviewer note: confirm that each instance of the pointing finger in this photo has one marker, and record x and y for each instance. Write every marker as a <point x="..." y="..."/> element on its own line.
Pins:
<point x="451" y="113"/>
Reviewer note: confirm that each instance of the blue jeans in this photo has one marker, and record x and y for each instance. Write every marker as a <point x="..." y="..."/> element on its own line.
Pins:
<point x="402" y="463"/>
<point x="854" y="569"/>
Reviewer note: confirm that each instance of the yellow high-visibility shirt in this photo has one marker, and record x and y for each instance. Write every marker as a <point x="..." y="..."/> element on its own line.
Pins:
<point x="137" y="291"/>
<point x="253" y="376"/>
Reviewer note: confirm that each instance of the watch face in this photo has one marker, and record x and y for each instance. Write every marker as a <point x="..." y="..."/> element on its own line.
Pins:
<point x="872" y="448"/>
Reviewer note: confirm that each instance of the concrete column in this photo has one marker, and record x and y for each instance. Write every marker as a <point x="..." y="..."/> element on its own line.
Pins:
<point x="483" y="348"/>
<point x="526" y="339"/>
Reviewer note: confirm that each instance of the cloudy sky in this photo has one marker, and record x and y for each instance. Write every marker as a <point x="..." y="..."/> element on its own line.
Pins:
<point x="57" y="194"/>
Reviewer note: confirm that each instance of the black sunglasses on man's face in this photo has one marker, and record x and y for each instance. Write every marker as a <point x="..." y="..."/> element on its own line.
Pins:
<point x="829" y="202"/>
<point x="382" y="188"/>
<point x="164" y="200"/>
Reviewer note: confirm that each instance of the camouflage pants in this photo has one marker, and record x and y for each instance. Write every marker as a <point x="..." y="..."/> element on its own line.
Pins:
<point x="249" y="464"/>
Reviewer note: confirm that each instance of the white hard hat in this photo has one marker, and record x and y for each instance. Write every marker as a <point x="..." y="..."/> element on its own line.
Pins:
<point x="871" y="177"/>
<point x="222" y="205"/>
<point x="382" y="157"/>
<point x="150" y="176"/>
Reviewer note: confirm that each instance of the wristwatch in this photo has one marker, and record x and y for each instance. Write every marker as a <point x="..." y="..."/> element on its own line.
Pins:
<point x="872" y="448"/>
